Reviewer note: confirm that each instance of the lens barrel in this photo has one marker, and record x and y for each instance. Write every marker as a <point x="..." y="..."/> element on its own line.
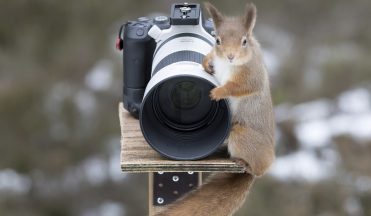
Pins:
<point x="177" y="117"/>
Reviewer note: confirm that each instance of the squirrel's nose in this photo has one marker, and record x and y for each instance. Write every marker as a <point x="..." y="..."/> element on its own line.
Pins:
<point x="230" y="57"/>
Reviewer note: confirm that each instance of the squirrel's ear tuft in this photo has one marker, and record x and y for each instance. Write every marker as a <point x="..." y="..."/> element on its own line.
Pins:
<point x="250" y="17"/>
<point x="214" y="13"/>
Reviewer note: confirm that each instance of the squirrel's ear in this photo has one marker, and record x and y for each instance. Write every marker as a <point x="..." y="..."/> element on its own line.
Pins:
<point x="214" y="13"/>
<point x="250" y="17"/>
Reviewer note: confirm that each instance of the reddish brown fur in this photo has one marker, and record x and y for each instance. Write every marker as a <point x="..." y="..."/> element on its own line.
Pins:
<point x="205" y="202"/>
<point x="251" y="141"/>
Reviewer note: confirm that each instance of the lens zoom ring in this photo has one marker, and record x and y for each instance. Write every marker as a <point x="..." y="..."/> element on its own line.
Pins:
<point x="184" y="55"/>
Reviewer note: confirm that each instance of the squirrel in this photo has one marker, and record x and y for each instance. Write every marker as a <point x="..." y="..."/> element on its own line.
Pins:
<point x="236" y="62"/>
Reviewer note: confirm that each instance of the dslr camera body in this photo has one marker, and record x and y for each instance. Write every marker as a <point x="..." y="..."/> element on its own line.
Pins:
<point x="166" y="87"/>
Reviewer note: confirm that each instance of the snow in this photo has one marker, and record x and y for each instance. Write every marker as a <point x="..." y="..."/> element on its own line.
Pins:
<point x="108" y="208"/>
<point x="276" y="48"/>
<point x="95" y="170"/>
<point x="85" y="101"/>
<point x="282" y="112"/>
<point x="363" y="184"/>
<point x="55" y="97"/>
<point x="272" y="61"/>
<point x="313" y="133"/>
<point x="317" y="123"/>
<point x="98" y="170"/>
<point x="354" y="101"/>
<point x="353" y="206"/>
<point x="100" y="78"/>
<point x="357" y="125"/>
<point x="53" y="108"/>
<point x="317" y="56"/>
<point x="303" y="165"/>
<point x="13" y="182"/>
<point x="114" y="169"/>
<point x="111" y="209"/>
<point x="312" y="110"/>
<point x="307" y="111"/>
<point x="318" y="133"/>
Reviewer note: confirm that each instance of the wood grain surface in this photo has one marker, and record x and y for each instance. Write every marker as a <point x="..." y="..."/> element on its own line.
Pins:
<point x="138" y="156"/>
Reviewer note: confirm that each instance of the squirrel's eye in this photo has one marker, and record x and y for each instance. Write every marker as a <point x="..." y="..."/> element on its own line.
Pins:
<point x="218" y="42"/>
<point x="244" y="42"/>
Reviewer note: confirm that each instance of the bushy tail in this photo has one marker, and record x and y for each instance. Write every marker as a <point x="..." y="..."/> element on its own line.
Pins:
<point x="221" y="195"/>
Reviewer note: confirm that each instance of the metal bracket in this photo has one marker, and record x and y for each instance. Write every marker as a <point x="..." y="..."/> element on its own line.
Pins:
<point x="169" y="186"/>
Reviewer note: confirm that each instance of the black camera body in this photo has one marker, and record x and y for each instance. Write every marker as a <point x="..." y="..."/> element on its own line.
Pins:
<point x="138" y="49"/>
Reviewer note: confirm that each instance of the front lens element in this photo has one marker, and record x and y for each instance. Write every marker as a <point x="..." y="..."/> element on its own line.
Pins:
<point x="183" y="103"/>
<point x="186" y="95"/>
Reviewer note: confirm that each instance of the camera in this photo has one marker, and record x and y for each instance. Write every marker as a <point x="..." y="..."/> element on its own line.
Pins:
<point x="166" y="87"/>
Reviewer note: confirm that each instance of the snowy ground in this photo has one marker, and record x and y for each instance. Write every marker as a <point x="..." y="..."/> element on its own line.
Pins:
<point x="317" y="122"/>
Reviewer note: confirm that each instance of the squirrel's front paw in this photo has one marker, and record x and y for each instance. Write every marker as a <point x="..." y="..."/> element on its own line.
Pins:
<point x="209" y="68"/>
<point x="218" y="93"/>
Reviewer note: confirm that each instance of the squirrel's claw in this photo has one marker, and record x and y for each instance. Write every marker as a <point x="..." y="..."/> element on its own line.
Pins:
<point x="244" y="164"/>
<point x="218" y="93"/>
<point x="209" y="69"/>
<point x="208" y="65"/>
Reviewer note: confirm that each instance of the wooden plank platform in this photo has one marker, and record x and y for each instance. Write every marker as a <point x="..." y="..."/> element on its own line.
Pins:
<point x="138" y="156"/>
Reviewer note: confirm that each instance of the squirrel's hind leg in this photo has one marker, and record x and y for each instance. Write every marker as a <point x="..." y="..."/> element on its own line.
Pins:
<point x="252" y="147"/>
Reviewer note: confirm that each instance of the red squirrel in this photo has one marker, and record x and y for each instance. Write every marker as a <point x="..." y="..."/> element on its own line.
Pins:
<point x="236" y="62"/>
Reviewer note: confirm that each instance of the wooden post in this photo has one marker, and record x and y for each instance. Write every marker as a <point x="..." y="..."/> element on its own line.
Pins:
<point x="137" y="156"/>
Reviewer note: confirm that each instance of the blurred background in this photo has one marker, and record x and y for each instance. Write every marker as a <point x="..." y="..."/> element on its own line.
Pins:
<point x="60" y="85"/>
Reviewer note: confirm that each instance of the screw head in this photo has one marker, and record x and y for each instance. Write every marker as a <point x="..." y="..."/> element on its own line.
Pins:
<point x="175" y="178"/>
<point x="160" y="200"/>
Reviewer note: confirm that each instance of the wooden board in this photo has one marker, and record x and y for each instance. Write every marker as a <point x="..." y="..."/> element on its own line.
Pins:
<point x="138" y="156"/>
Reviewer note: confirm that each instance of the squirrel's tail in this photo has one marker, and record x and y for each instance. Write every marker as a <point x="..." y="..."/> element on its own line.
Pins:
<point x="221" y="195"/>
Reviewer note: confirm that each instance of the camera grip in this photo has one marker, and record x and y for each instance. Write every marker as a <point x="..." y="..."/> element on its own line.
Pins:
<point x="137" y="58"/>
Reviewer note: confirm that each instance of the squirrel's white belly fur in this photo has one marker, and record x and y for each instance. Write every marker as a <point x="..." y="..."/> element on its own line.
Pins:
<point x="223" y="72"/>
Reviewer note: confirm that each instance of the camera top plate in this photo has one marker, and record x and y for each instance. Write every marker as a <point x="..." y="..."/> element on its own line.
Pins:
<point x="185" y="14"/>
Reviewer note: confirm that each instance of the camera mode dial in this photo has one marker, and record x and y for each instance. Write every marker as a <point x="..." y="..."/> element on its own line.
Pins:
<point x="163" y="22"/>
<point x="161" y="19"/>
